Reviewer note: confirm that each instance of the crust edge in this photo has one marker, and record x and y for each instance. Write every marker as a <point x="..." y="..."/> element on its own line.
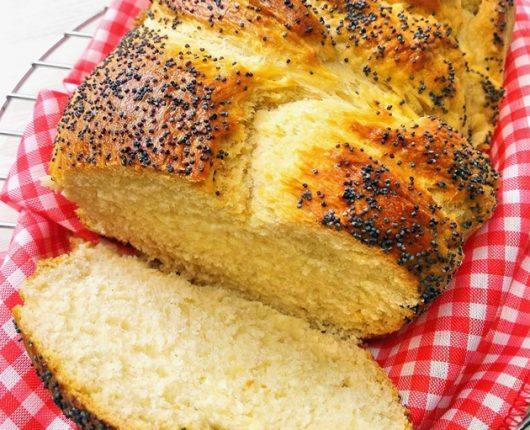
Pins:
<point x="72" y="407"/>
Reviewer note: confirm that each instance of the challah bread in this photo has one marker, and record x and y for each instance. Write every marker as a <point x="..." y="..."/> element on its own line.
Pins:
<point x="314" y="155"/>
<point x="123" y="346"/>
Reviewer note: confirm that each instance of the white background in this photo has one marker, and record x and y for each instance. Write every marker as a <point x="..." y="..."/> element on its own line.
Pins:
<point x="27" y="29"/>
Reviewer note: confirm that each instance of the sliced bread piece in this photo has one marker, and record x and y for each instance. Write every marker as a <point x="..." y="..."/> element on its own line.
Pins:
<point x="122" y="345"/>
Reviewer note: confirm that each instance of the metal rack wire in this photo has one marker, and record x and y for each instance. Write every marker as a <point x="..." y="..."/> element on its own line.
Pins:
<point x="78" y="32"/>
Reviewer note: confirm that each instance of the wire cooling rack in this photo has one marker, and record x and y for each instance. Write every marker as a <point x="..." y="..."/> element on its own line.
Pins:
<point x="45" y="72"/>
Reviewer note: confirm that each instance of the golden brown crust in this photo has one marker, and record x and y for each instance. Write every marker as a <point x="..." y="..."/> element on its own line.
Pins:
<point x="173" y="107"/>
<point x="150" y="106"/>
<point x="352" y="192"/>
<point x="449" y="169"/>
<point x="416" y="202"/>
<point x="503" y="10"/>
<point x="431" y="6"/>
<point x="414" y="56"/>
<point x="494" y="18"/>
<point x="292" y="15"/>
<point x="72" y="407"/>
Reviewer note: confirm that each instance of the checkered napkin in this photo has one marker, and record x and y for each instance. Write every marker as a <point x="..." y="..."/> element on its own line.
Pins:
<point x="465" y="364"/>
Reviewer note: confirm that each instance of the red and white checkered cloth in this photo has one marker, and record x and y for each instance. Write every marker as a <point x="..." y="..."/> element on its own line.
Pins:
<point x="465" y="364"/>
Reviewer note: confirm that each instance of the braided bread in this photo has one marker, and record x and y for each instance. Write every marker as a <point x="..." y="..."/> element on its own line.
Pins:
<point x="320" y="156"/>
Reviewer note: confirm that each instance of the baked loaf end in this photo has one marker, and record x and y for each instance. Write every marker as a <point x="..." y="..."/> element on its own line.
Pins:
<point x="317" y="156"/>
<point x="123" y="346"/>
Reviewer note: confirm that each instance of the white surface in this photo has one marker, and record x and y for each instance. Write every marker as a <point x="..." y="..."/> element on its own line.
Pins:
<point x="27" y="29"/>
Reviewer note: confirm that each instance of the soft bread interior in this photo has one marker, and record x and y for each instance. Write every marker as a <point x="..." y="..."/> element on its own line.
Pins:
<point x="145" y="350"/>
<point x="302" y="270"/>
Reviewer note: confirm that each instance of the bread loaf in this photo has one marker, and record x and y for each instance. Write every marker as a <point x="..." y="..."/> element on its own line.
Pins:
<point x="319" y="156"/>
<point x="123" y="346"/>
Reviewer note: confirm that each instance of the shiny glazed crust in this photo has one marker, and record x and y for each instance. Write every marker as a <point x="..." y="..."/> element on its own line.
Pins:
<point x="170" y="108"/>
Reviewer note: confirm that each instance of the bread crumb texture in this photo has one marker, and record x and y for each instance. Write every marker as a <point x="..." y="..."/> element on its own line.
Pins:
<point x="140" y="349"/>
<point x="319" y="156"/>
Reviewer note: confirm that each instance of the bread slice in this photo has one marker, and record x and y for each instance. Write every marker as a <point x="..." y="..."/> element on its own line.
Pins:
<point x="124" y="346"/>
